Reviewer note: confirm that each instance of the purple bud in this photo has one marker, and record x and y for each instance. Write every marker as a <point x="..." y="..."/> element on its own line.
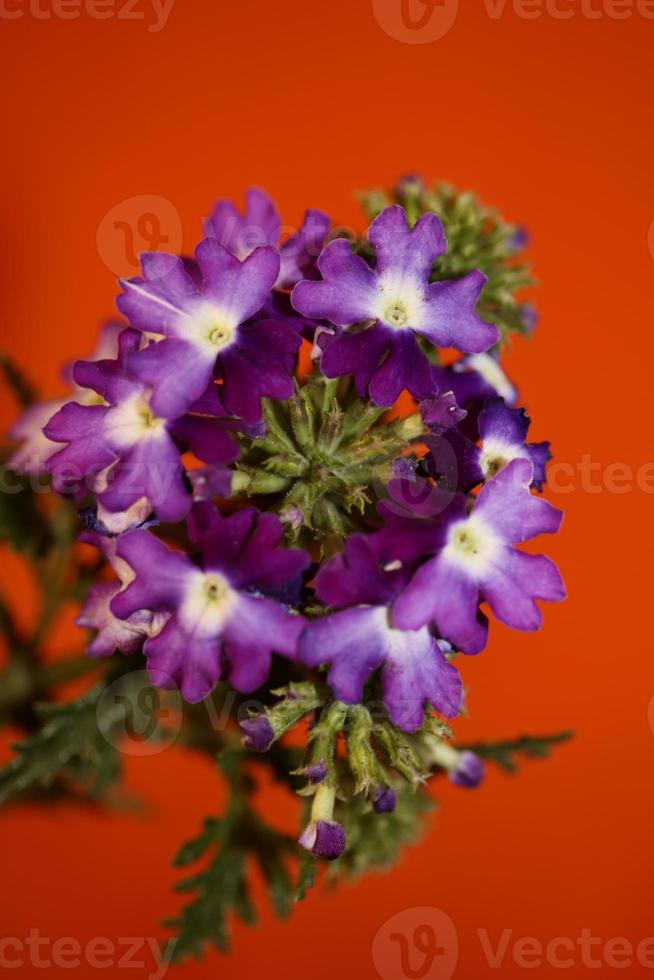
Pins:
<point x="259" y="733"/>
<point x="325" y="839"/>
<point x="530" y="317"/>
<point x="519" y="239"/>
<point x="385" y="800"/>
<point x="316" y="772"/>
<point x="469" y="772"/>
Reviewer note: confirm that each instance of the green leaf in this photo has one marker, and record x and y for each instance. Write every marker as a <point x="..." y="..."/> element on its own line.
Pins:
<point x="220" y="890"/>
<point x="506" y="754"/>
<point x="307" y="879"/>
<point x="70" y="745"/>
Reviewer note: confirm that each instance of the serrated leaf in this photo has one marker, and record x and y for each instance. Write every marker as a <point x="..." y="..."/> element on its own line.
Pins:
<point x="506" y="754"/>
<point x="70" y="744"/>
<point x="307" y="879"/>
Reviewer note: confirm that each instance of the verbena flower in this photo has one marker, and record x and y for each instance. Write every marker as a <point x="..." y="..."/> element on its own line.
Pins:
<point x="364" y="636"/>
<point x="221" y="623"/>
<point x="209" y="330"/>
<point x="503" y="434"/>
<point x="260" y="225"/>
<point x="123" y="449"/>
<point x="393" y="302"/>
<point x="476" y="561"/>
<point x="410" y="528"/>
<point x="35" y="449"/>
<point x="111" y="633"/>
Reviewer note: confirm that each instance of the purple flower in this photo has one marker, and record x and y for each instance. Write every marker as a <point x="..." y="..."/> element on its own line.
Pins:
<point x="463" y="768"/>
<point x="209" y="331"/>
<point x="395" y="301"/>
<point x="385" y="800"/>
<point x="120" y="446"/>
<point x="315" y="772"/>
<point x="477" y="562"/>
<point x="260" y="225"/>
<point x="221" y="624"/>
<point x="325" y="839"/>
<point x="259" y="734"/>
<point x="362" y="636"/>
<point x="503" y="432"/>
<point x="469" y="772"/>
<point x="113" y="634"/>
<point x="36" y="448"/>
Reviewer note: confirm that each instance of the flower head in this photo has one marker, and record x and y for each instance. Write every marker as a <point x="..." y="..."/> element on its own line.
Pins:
<point x="394" y="301"/>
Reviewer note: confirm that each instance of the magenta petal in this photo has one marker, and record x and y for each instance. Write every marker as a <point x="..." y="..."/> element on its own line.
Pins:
<point x="347" y="292"/>
<point x="415" y="672"/>
<point x="405" y="367"/>
<point x="353" y="642"/>
<point x="514" y="581"/>
<point x="358" y="354"/>
<point x="177" y="660"/>
<point x="179" y="373"/>
<point x="160" y="575"/>
<point x="450" y="320"/>
<point x="239" y="286"/>
<point x="258" y="628"/>
<point x="209" y="439"/>
<point x="300" y="253"/>
<point x="409" y="252"/>
<point x="112" y="634"/>
<point x="87" y="453"/>
<point x="157" y="301"/>
<point x="515" y="514"/>
<point x="443" y="593"/>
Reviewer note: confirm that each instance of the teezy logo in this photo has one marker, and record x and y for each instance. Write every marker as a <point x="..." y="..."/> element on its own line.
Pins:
<point x="416" y="21"/>
<point x="416" y="944"/>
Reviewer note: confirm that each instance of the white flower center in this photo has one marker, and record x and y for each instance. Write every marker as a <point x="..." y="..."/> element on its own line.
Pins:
<point x="400" y="303"/>
<point x="207" y="604"/>
<point x="212" y="327"/>
<point x="131" y="422"/>
<point x="496" y="455"/>
<point x="471" y="544"/>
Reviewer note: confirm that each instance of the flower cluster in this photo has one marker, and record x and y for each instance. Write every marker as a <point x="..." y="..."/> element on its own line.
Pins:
<point x="269" y="521"/>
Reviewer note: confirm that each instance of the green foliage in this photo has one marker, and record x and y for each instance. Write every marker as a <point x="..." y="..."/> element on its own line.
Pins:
<point x="507" y="754"/>
<point x="221" y="888"/>
<point x="374" y="840"/>
<point x="478" y="238"/>
<point x="23" y="524"/>
<point x="73" y="746"/>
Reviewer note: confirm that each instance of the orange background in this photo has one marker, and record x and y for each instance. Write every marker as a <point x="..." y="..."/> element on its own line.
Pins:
<point x="550" y="120"/>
